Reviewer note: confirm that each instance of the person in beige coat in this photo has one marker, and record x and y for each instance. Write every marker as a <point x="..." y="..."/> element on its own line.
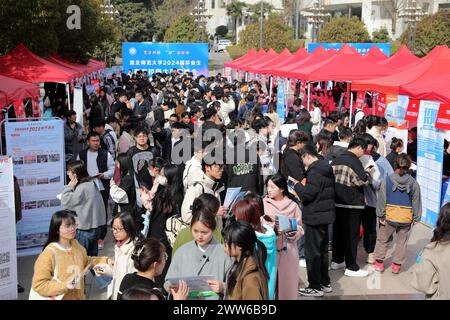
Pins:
<point x="125" y="234"/>
<point x="431" y="275"/>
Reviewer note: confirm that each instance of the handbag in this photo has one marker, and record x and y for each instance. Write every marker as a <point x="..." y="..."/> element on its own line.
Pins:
<point x="36" y="296"/>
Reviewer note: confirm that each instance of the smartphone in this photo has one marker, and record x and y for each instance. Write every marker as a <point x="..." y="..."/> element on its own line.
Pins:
<point x="291" y="184"/>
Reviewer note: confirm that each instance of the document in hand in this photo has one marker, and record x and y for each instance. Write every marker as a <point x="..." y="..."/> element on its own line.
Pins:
<point x="198" y="284"/>
<point x="285" y="224"/>
<point x="231" y="195"/>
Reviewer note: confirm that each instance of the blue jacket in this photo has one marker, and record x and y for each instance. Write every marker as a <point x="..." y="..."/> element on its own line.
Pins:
<point x="269" y="239"/>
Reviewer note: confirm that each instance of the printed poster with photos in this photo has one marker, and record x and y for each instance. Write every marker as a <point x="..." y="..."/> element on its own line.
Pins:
<point x="37" y="151"/>
<point x="8" y="261"/>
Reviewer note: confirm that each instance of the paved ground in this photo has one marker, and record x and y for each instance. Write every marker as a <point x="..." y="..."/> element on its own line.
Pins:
<point x="216" y="61"/>
<point x="386" y="286"/>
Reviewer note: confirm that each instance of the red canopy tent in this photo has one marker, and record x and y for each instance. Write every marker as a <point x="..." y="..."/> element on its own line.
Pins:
<point x="243" y="66"/>
<point x="82" y="69"/>
<point x="22" y="64"/>
<point x="433" y="66"/>
<point x="256" y="67"/>
<point x="13" y="90"/>
<point x="403" y="57"/>
<point x="346" y="65"/>
<point x="283" y="61"/>
<point x="250" y="53"/>
<point x="288" y="71"/>
<point x="375" y="55"/>
<point x="95" y="65"/>
<point x="433" y="83"/>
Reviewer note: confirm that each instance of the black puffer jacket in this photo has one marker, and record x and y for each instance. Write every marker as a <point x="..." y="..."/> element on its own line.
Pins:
<point x="317" y="195"/>
<point x="293" y="165"/>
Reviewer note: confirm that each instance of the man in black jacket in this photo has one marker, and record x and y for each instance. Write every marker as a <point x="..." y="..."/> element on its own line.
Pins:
<point x="243" y="166"/>
<point x="143" y="105"/>
<point x="317" y="196"/>
<point x="350" y="179"/>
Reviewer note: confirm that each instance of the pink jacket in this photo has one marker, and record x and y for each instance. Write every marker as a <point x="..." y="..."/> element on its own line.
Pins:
<point x="285" y="207"/>
<point x="147" y="197"/>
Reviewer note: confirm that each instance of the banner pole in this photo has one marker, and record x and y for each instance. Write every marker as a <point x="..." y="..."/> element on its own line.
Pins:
<point x="309" y="95"/>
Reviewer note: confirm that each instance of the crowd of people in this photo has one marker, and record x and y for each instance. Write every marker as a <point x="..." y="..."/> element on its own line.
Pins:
<point x="156" y="159"/>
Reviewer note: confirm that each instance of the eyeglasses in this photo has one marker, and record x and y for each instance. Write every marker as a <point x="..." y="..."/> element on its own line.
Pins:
<point x="117" y="229"/>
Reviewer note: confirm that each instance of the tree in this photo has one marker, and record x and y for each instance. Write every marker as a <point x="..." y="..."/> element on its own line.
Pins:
<point x="343" y="29"/>
<point x="431" y="31"/>
<point x="169" y="11"/>
<point x="256" y="9"/>
<point x="42" y="26"/>
<point x="185" y="29"/>
<point x="276" y="34"/>
<point x="234" y="10"/>
<point x="381" y="35"/>
<point x="136" y="21"/>
<point x="222" y="31"/>
<point x="393" y="7"/>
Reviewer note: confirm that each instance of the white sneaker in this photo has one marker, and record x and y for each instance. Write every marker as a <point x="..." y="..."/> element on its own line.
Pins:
<point x="360" y="273"/>
<point x="337" y="266"/>
<point x="302" y="263"/>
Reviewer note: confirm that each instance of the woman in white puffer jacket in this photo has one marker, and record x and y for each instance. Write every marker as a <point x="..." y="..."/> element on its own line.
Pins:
<point x="125" y="234"/>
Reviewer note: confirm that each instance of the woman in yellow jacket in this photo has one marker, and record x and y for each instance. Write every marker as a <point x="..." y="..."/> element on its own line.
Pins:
<point x="60" y="268"/>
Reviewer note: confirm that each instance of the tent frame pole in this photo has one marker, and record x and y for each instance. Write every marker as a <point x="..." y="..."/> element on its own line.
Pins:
<point x="309" y="94"/>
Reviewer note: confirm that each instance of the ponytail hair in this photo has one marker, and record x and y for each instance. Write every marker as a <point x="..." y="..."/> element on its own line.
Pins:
<point x="241" y="234"/>
<point x="146" y="252"/>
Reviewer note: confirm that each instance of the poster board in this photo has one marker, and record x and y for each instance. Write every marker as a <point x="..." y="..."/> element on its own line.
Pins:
<point x="430" y="154"/>
<point x="37" y="151"/>
<point x="281" y="95"/>
<point x="8" y="259"/>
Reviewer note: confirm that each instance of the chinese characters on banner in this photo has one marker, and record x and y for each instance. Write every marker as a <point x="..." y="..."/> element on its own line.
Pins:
<point x="37" y="151"/>
<point x="380" y="107"/>
<point x="164" y="57"/>
<point x="8" y="259"/>
<point x="280" y="100"/>
<point x="412" y="112"/>
<point x="360" y="98"/>
<point x="430" y="154"/>
<point x="443" y="117"/>
<point x="362" y="48"/>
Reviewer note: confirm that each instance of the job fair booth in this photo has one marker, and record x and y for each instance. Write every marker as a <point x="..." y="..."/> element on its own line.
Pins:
<point x="32" y="149"/>
<point x="409" y="91"/>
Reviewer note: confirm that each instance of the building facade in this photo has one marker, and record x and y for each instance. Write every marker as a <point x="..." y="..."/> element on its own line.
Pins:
<point x="377" y="14"/>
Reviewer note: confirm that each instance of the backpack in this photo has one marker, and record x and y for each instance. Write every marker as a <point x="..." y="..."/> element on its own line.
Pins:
<point x="175" y="224"/>
<point x="150" y="119"/>
<point x="247" y="115"/>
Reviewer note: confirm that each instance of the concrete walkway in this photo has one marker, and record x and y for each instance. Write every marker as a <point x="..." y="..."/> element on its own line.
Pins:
<point x="386" y="286"/>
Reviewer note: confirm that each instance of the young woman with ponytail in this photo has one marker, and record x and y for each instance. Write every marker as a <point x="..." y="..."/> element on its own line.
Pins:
<point x="149" y="256"/>
<point x="248" y="277"/>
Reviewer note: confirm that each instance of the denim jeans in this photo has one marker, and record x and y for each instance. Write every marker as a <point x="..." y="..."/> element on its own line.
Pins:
<point x="301" y="246"/>
<point x="89" y="240"/>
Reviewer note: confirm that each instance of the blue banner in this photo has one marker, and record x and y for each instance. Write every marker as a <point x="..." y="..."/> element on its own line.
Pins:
<point x="281" y="109"/>
<point x="163" y="57"/>
<point x="430" y="157"/>
<point x="362" y="48"/>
